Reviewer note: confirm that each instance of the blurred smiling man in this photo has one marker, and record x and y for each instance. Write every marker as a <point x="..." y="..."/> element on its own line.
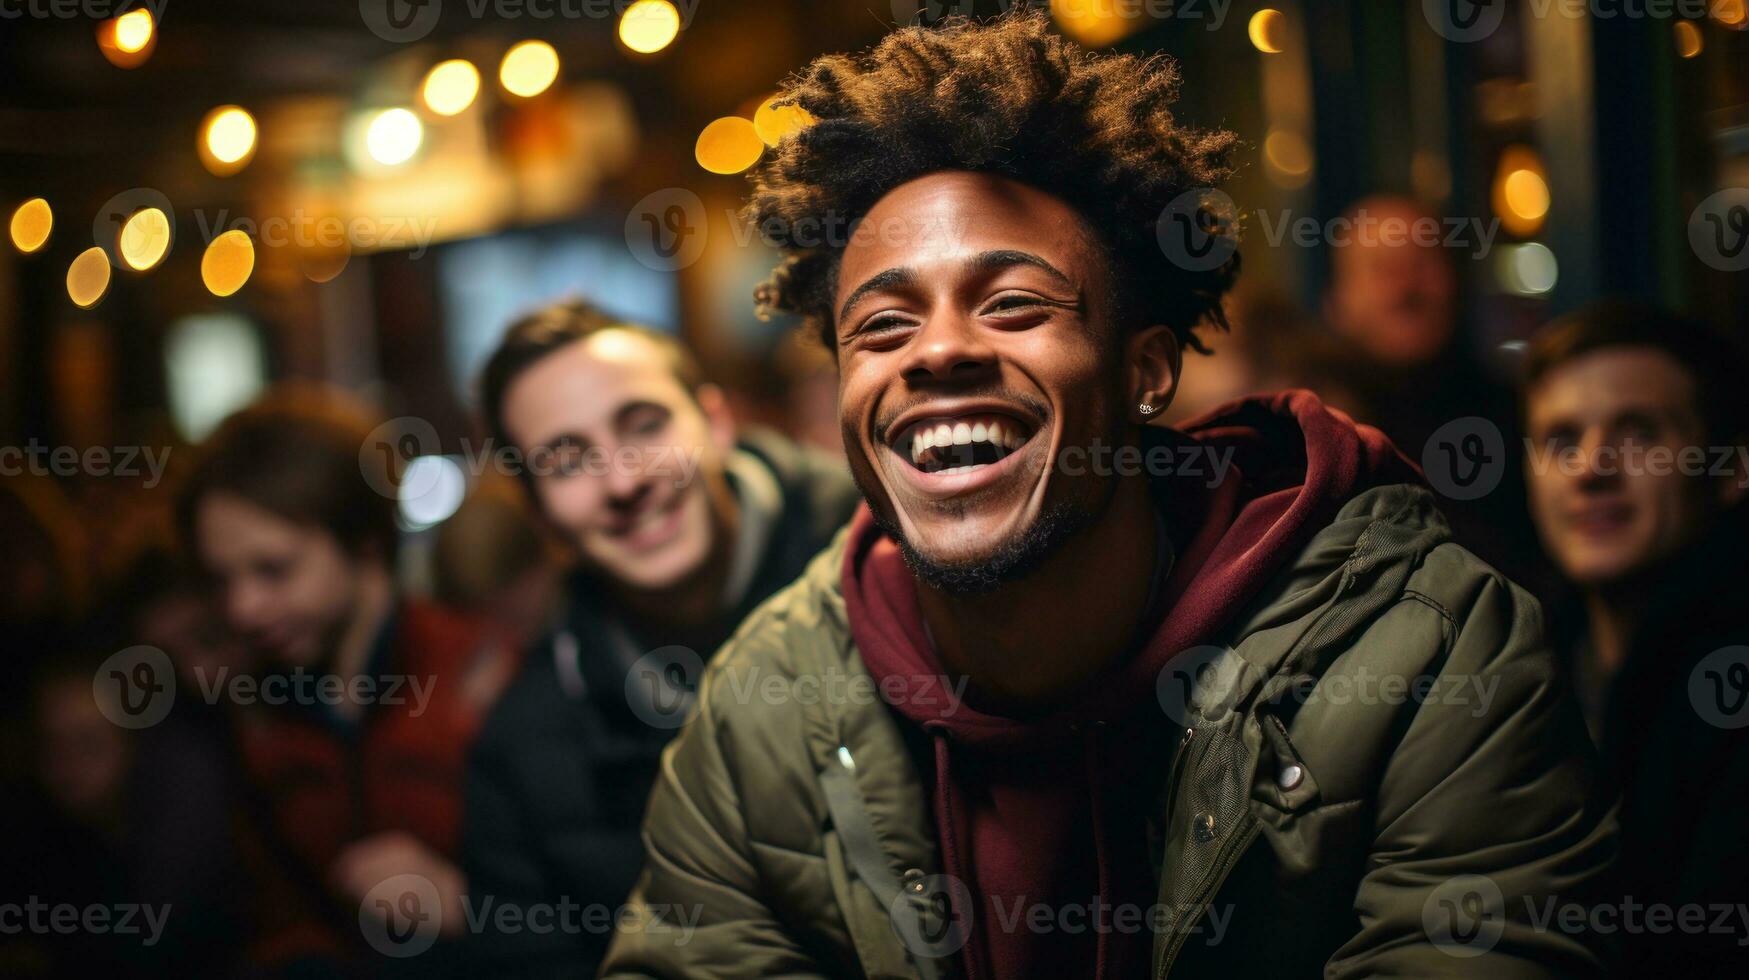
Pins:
<point x="1131" y="721"/>
<point x="1638" y="440"/>
<point x="680" y="523"/>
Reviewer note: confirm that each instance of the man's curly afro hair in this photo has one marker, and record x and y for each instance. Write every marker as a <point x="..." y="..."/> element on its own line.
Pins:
<point x="1009" y="97"/>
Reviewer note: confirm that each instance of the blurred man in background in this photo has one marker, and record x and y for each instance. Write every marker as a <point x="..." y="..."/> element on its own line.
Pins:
<point x="1401" y="362"/>
<point x="681" y="525"/>
<point x="353" y="740"/>
<point x="1637" y="429"/>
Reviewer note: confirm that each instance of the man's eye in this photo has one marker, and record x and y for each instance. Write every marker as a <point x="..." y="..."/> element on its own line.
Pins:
<point x="1003" y="303"/>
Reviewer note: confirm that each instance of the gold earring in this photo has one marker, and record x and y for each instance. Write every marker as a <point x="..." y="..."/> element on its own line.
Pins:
<point x="1148" y="409"/>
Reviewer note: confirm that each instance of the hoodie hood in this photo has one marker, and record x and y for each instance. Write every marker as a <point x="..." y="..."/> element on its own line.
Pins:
<point x="1024" y="808"/>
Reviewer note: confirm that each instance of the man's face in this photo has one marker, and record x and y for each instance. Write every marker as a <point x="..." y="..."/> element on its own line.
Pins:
<point x="626" y="463"/>
<point x="288" y="589"/>
<point x="975" y="343"/>
<point x="1392" y="296"/>
<point x="1597" y="424"/>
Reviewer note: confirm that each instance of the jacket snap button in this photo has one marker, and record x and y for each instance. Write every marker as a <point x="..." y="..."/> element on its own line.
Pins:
<point x="914" y="880"/>
<point x="1202" y="827"/>
<point x="1290" y="776"/>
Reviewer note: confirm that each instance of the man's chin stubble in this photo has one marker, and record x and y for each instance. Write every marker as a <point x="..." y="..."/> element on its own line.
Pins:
<point x="1015" y="559"/>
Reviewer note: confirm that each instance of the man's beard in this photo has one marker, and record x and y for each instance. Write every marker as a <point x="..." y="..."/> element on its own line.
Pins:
<point x="1014" y="560"/>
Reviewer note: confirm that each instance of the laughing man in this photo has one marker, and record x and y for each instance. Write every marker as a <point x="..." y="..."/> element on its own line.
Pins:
<point x="1122" y="722"/>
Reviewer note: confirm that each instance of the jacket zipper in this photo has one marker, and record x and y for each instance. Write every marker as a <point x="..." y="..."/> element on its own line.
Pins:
<point x="1229" y="856"/>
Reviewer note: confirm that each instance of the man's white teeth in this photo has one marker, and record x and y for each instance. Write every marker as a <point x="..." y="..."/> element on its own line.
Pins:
<point x="963" y="434"/>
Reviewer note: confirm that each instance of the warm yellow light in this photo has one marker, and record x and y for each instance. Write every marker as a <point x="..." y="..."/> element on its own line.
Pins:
<point x="393" y="136"/>
<point x="1730" y="13"/>
<point x="1521" y="193"/>
<point x="1527" y="195"/>
<point x="145" y="239"/>
<point x="451" y="86"/>
<point x="227" y="263"/>
<point x="31" y="225"/>
<point x="1095" y="23"/>
<point x="1688" y="39"/>
<point x="133" y="30"/>
<point x="1268" y="30"/>
<point x="773" y="123"/>
<point x="728" y="146"/>
<point x="649" y="25"/>
<point x="529" y="68"/>
<point x="88" y="278"/>
<point x="227" y="139"/>
<point x="1288" y="156"/>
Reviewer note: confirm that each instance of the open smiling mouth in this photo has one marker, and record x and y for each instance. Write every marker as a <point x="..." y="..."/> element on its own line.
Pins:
<point x="962" y="443"/>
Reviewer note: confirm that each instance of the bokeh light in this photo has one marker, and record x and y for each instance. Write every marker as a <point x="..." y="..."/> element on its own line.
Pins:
<point x="1527" y="269"/>
<point x="729" y="145"/>
<point x="228" y="138"/>
<point x="451" y="86"/>
<point x="529" y="68"/>
<point x="1268" y="30"/>
<point x="144" y="239"/>
<point x="648" y="26"/>
<point x="1688" y="40"/>
<point x="88" y="278"/>
<point x="773" y="123"/>
<point x="31" y="224"/>
<point x="228" y="262"/>
<point x="127" y="41"/>
<point x="1521" y="191"/>
<point x="393" y="136"/>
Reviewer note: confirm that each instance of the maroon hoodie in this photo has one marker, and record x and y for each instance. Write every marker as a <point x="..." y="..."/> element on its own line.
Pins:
<point x="1046" y="815"/>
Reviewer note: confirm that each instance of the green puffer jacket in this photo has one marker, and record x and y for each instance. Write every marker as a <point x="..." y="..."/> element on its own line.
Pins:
<point x="1379" y="775"/>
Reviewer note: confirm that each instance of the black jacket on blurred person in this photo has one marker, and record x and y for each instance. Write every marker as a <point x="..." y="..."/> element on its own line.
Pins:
<point x="559" y="776"/>
<point x="1665" y="730"/>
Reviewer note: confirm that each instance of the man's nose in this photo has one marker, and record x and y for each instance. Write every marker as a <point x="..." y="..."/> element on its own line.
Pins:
<point x="949" y="347"/>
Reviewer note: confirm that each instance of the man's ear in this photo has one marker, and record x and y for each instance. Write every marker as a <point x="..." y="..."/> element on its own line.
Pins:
<point x="718" y="416"/>
<point x="1152" y="361"/>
